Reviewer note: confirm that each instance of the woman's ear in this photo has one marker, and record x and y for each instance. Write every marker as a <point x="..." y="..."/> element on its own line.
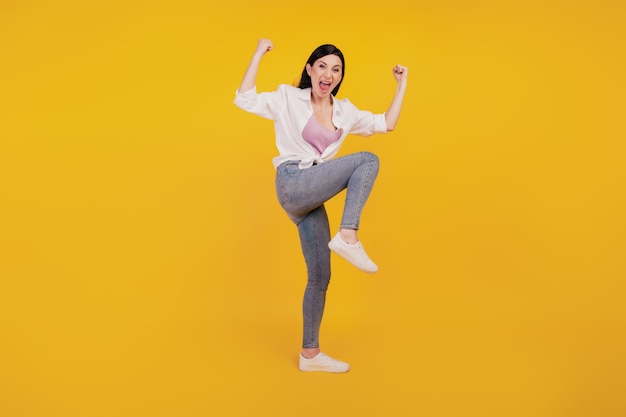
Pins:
<point x="308" y="69"/>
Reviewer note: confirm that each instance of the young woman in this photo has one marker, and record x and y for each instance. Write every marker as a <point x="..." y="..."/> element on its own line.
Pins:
<point x="310" y="126"/>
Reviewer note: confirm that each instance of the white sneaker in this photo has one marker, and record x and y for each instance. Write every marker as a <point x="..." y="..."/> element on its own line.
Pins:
<point x="355" y="254"/>
<point x="322" y="363"/>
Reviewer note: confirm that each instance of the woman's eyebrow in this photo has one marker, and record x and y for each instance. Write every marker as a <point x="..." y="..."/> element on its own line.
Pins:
<point x="324" y="62"/>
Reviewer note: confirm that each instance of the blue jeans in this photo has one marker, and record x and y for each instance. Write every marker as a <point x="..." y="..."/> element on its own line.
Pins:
<point x="302" y="194"/>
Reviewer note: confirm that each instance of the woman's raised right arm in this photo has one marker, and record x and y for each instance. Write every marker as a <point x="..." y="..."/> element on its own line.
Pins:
<point x="249" y="78"/>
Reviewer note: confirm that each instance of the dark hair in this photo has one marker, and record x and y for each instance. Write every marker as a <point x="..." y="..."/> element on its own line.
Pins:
<point x="321" y="51"/>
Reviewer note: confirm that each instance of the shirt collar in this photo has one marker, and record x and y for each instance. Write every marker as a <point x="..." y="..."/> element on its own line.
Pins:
<point x="305" y="94"/>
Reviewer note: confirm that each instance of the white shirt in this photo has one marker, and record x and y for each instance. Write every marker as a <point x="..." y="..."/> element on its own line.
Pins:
<point x="290" y="109"/>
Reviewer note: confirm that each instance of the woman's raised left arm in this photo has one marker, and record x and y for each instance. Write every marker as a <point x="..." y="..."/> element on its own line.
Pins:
<point x="400" y="73"/>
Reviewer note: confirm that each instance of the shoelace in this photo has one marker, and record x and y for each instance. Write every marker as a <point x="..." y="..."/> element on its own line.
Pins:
<point x="362" y="252"/>
<point x="328" y="358"/>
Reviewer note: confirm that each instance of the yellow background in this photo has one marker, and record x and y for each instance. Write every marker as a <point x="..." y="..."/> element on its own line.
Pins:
<point x="146" y="268"/>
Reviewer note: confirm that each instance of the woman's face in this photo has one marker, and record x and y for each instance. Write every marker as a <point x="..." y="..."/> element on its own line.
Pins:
<point x="325" y="74"/>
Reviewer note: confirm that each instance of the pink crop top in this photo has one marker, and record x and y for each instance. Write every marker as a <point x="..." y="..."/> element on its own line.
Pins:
<point x="318" y="136"/>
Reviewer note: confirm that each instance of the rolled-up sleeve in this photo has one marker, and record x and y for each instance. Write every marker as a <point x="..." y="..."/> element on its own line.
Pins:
<point x="369" y="123"/>
<point x="380" y="123"/>
<point x="259" y="104"/>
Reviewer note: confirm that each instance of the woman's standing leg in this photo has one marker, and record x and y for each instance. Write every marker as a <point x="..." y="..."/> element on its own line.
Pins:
<point x="314" y="234"/>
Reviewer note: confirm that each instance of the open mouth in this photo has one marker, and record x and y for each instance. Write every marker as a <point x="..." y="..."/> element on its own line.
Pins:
<point x="324" y="86"/>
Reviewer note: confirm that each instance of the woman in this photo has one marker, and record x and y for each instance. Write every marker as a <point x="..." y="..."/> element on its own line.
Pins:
<point x="310" y="126"/>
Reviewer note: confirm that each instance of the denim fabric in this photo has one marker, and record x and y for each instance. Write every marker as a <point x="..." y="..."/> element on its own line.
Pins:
<point x="302" y="194"/>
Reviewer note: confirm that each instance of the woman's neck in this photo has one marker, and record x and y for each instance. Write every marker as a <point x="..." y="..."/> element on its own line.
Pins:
<point x="321" y="103"/>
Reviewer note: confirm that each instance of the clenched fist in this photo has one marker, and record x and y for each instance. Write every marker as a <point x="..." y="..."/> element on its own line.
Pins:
<point x="263" y="47"/>
<point x="400" y="73"/>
